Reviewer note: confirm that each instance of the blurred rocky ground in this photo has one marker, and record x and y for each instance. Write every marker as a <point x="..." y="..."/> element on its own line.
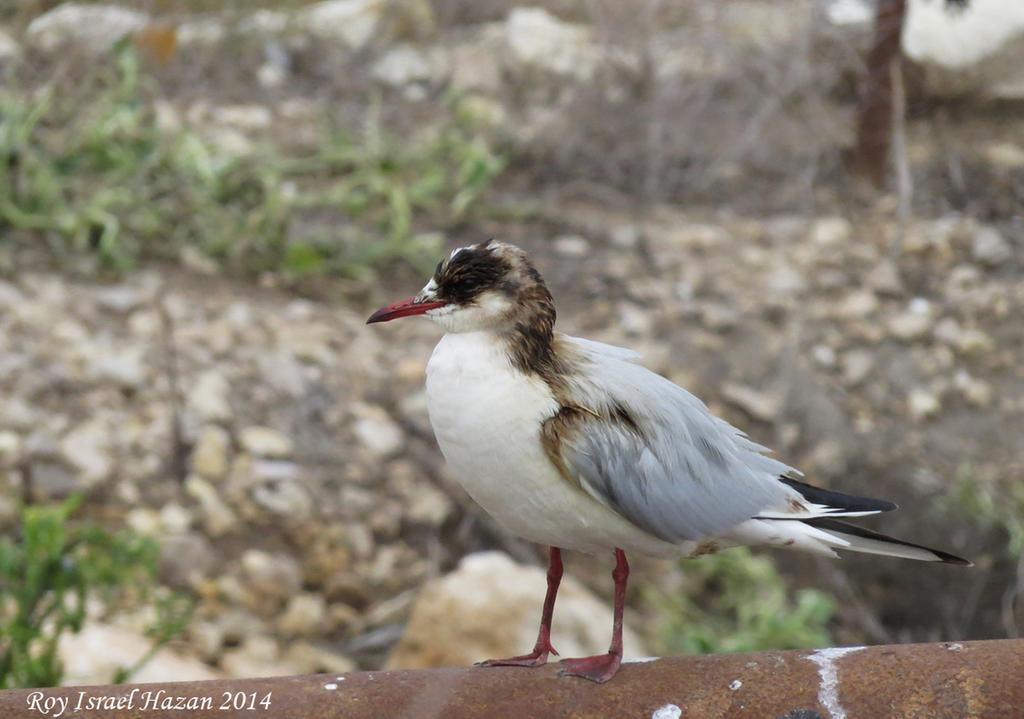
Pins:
<point x="280" y="449"/>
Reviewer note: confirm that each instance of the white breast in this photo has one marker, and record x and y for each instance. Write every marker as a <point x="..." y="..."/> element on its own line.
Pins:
<point x="487" y="418"/>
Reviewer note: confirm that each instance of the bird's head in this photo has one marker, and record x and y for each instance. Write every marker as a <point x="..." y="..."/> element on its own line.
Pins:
<point x="487" y="286"/>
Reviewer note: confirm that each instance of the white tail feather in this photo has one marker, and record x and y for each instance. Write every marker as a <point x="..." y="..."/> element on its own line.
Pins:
<point x="794" y="534"/>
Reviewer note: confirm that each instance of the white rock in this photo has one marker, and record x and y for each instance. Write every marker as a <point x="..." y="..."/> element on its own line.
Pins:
<point x="234" y="624"/>
<point x="144" y="521"/>
<point x="16" y="413"/>
<point x="990" y="248"/>
<point x="830" y="231"/>
<point x="239" y="315"/>
<point x="217" y="517"/>
<point x="9" y="48"/>
<point x="923" y="404"/>
<point x="276" y="575"/>
<point x="212" y="454"/>
<point x="625" y="237"/>
<point x="377" y="431"/>
<point x="242" y="117"/>
<point x="475" y="65"/>
<point x="402" y="65"/>
<point x="536" y="39"/>
<point x="959" y="39"/>
<point x="885" y="278"/>
<point x="175" y="518"/>
<point x="976" y="391"/>
<point x="304" y="615"/>
<point x="913" y="323"/>
<point x="124" y="367"/>
<point x="94" y="28"/>
<point x="857" y="364"/>
<point x="203" y="32"/>
<point x="351" y="22"/>
<point x="93" y="656"/>
<point x="186" y="558"/>
<point x="967" y="340"/>
<point x="208" y="398"/>
<point x="765" y="406"/>
<point x="10" y="449"/>
<point x="87" y="448"/>
<point x="283" y="372"/>
<point x="634" y="319"/>
<point x="858" y="304"/>
<point x="850" y="12"/>
<point x="120" y="299"/>
<point x="973" y="341"/>
<point x="824" y="355"/>
<point x="718" y="315"/>
<point x="1005" y="155"/>
<point x="785" y="281"/>
<point x="10" y="296"/>
<point x="489" y="607"/>
<point x="271" y="75"/>
<point x="266" y="442"/>
<point x="283" y="492"/>
<point x="230" y="142"/>
<point x="425" y="503"/>
<point x="207" y="638"/>
<point x="977" y="51"/>
<point x="264" y="22"/>
<point x="571" y="246"/>
<point x="764" y="26"/>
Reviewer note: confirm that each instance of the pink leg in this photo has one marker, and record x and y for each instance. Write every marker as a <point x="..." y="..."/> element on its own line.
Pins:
<point x="543" y="647"/>
<point x="603" y="667"/>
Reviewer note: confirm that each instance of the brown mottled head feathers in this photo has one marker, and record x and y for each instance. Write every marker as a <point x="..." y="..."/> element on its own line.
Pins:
<point x="472" y="270"/>
<point x="473" y="273"/>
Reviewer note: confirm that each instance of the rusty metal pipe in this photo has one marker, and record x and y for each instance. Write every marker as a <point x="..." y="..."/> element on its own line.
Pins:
<point x="934" y="681"/>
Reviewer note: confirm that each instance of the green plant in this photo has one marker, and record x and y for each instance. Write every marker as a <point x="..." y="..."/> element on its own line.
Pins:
<point x="50" y="569"/>
<point x="742" y="604"/>
<point x="992" y="504"/>
<point x="92" y="174"/>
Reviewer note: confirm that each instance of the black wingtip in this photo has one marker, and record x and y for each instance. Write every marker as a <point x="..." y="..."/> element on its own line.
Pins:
<point x="947" y="558"/>
<point x="853" y="530"/>
<point x="838" y="500"/>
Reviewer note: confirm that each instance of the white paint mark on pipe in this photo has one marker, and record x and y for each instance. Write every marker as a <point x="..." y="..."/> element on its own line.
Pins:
<point x="669" y="711"/>
<point x="828" y="690"/>
<point x="639" y="660"/>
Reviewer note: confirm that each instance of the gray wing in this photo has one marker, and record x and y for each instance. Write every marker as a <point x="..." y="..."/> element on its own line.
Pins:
<point x="654" y="453"/>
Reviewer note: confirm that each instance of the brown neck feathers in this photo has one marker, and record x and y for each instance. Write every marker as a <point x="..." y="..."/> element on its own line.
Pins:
<point x="531" y="337"/>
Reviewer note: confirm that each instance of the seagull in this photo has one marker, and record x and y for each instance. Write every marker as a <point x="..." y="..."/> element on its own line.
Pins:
<point x="573" y="444"/>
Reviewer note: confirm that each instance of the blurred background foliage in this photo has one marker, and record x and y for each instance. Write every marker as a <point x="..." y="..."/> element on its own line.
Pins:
<point x="91" y="174"/>
<point x="51" y="568"/>
<point x="740" y="603"/>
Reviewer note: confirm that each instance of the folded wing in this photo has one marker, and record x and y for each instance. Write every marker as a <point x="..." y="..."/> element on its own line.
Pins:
<point x="655" y="454"/>
<point x="651" y="451"/>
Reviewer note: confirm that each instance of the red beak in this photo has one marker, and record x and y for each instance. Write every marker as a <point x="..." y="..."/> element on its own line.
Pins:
<point x="405" y="308"/>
